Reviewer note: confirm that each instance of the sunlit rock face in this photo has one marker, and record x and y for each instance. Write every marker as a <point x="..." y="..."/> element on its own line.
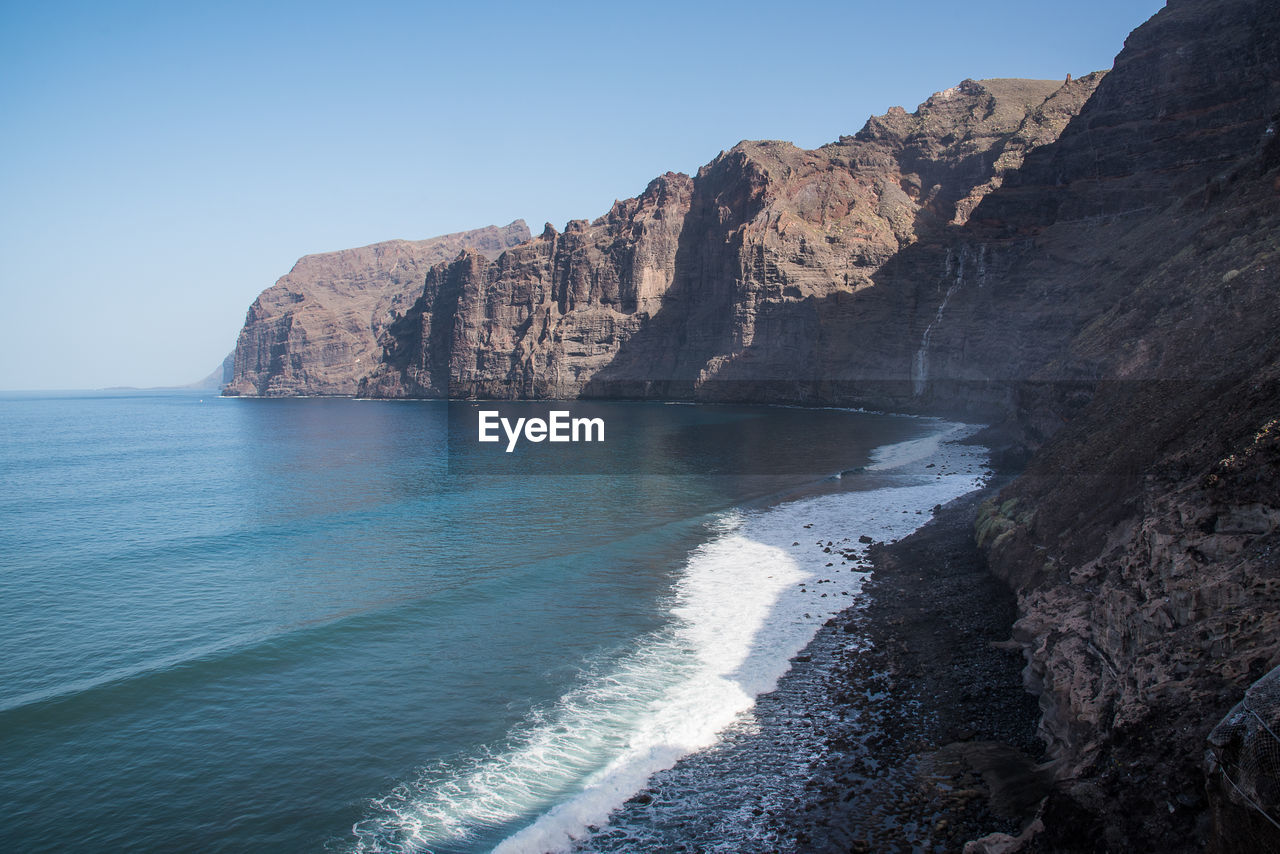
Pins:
<point x="315" y="331"/>
<point x="754" y="279"/>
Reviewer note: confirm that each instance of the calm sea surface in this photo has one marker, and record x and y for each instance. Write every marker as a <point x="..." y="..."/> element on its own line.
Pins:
<point x="293" y="625"/>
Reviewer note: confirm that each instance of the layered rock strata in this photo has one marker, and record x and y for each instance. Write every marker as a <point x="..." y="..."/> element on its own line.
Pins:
<point x="745" y="281"/>
<point x="315" y="331"/>
<point x="1143" y="539"/>
<point x="1095" y="270"/>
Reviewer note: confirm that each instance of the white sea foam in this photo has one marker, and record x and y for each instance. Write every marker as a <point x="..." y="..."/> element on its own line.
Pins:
<point x="748" y="601"/>
<point x="915" y="450"/>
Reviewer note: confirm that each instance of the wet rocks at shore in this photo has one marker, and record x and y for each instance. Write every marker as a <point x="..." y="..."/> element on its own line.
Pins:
<point x="936" y="742"/>
<point x="903" y="725"/>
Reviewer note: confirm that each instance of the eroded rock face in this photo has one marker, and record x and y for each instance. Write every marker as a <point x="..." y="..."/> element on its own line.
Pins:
<point x="1242" y="765"/>
<point x="315" y="331"/>
<point x="740" y="282"/>
<point x="541" y="318"/>
<point x="1144" y="537"/>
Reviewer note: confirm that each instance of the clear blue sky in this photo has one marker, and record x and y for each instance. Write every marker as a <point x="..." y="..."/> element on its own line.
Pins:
<point x="162" y="163"/>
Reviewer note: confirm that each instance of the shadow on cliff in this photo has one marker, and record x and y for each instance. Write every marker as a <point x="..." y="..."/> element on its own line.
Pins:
<point x="666" y="357"/>
<point x="927" y="336"/>
<point x="719" y="336"/>
<point x="1118" y="309"/>
<point x="973" y="321"/>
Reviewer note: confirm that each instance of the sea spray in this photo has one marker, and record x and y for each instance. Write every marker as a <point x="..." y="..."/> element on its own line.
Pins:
<point x="240" y="622"/>
<point x="748" y="601"/>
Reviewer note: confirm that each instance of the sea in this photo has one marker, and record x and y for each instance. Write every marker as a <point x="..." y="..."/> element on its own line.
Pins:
<point x="326" y="625"/>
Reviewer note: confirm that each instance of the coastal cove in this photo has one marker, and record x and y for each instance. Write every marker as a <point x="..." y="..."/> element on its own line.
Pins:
<point x="290" y="625"/>
<point x="905" y="476"/>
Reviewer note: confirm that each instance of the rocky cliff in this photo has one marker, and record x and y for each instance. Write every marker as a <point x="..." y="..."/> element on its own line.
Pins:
<point x="743" y="281"/>
<point x="1091" y="265"/>
<point x="1143" y="539"/>
<point x="315" y="331"/>
<point x="221" y="376"/>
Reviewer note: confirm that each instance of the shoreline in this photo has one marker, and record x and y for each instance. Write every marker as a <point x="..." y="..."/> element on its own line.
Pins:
<point x="951" y="750"/>
<point x="796" y="565"/>
<point x="895" y="715"/>
<point x="903" y="724"/>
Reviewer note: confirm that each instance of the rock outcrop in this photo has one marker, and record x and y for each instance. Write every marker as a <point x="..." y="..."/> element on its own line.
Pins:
<point x="740" y="282"/>
<point x="1243" y="768"/>
<point x="220" y="377"/>
<point x="1094" y="270"/>
<point x="1143" y="539"/>
<point x="315" y="331"/>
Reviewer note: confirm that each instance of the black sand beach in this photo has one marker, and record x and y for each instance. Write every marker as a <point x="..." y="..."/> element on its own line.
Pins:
<point x="934" y="742"/>
<point x="903" y="726"/>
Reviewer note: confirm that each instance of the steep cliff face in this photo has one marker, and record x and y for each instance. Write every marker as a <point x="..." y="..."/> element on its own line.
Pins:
<point x="1096" y="270"/>
<point x="723" y="285"/>
<point x="315" y="331"/>
<point x="1078" y="229"/>
<point x="538" y="320"/>
<point x="1143" y="539"/>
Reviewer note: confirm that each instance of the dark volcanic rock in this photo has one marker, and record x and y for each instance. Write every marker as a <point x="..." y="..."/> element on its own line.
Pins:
<point x="1142" y="538"/>
<point x="902" y="727"/>
<point x="1243" y="767"/>
<point x="936" y="743"/>
<point x="1115" y="298"/>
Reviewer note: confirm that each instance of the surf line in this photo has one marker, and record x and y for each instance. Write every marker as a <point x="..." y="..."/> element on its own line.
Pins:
<point x="558" y="426"/>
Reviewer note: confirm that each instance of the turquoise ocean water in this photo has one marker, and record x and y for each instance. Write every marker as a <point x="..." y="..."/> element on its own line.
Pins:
<point x="293" y="625"/>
